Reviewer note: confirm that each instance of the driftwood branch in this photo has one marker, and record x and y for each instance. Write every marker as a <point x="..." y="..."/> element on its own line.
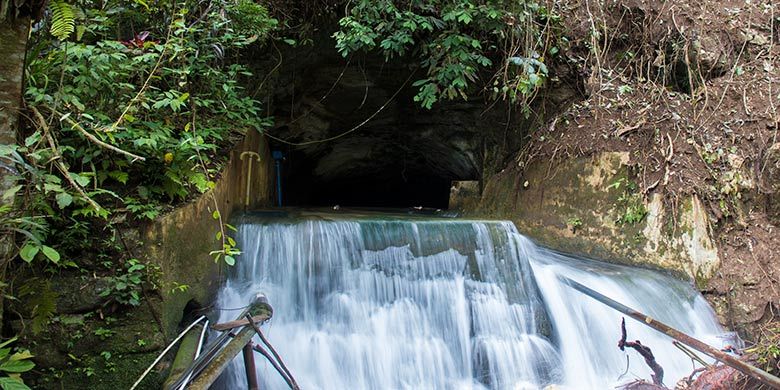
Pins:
<point x="627" y="129"/>
<point x="658" y="371"/>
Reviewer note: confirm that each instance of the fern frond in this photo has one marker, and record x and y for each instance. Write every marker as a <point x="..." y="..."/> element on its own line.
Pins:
<point x="63" y="19"/>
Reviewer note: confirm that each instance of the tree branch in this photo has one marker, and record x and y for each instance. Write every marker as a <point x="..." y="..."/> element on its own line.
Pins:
<point x="658" y="376"/>
<point x="58" y="163"/>
<point x="96" y="140"/>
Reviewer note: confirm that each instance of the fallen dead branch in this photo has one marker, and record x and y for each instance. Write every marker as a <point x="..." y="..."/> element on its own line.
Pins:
<point x="658" y="371"/>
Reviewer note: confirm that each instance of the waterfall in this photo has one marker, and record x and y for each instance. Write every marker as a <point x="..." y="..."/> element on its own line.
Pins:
<point x="384" y="302"/>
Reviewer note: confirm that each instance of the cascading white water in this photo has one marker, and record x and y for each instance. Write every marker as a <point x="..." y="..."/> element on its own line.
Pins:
<point x="407" y="303"/>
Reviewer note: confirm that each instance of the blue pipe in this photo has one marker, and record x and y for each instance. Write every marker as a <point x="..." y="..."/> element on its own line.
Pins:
<point x="278" y="157"/>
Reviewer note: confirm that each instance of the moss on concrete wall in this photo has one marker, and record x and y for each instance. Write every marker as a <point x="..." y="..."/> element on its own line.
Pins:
<point x="180" y="242"/>
<point x="589" y="206"/>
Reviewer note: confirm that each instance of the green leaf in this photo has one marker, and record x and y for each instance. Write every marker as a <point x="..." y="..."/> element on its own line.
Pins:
<point x="29" y="251"/>
<point x="80" y="30"/>
<point x="50" y="253"/>
<point x="80" y="179"/>
<point x="12" y="384"/>
<point x="50" y="187"/>
<point x="17" y="366"/>
<point x="63" y="19"/>
<point x="64" y="200"/>
<point x="119" y="176"/>
<point x="11" y="192"/>
<point x="230" y="260"/>
<point x="25" y="354"/>
<point x="29" y="141"/>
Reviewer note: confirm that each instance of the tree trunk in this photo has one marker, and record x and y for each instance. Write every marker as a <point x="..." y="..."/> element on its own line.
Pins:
<point x="13" y="44"/>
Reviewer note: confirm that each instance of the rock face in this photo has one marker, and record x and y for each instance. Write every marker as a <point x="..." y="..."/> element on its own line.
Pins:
<point x="693" y="111"/>
<point x="591" y="206"/>
<point x="464" y="194"/>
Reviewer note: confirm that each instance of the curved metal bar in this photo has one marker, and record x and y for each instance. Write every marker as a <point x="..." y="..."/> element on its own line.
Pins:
<point x="162" y="354"/>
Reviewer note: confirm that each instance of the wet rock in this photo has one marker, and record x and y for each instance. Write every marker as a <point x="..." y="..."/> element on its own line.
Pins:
<point x="77" y="294"/>
<point x="464" y="194"/>
<point x="589" y="190"/>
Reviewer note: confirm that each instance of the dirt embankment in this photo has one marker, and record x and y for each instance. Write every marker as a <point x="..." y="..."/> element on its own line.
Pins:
<point x="690" y="89"/>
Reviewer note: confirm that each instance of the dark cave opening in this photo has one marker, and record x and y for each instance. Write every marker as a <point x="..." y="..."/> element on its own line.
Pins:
<point x="353" y="135"/>
<point x="392" y="185"/>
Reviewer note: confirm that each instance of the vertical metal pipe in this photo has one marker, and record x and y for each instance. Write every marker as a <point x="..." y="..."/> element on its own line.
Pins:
<point x="249" y="366"/>
<point x="279" y="183"/>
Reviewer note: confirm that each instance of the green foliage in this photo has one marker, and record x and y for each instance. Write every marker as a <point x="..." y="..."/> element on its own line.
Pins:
<point x="178" y="287"/>
<point x="457" y="42"/>
<point x="711" y="155"/>
<point x="33" y="232"/>
<point x="63" y="19"/>
<point x="251" y="19"/>
<point x="103" y="333"/>
<point x="126" y="286"/>
<point x="630" y="202"/>
<point x="40" y="300"/>
<point x="12" y="365"/>
<point x="229" y="250"/>
<point x="574" y="223"/>
<point x="128" y="116"/>
<point x="767" y="352"/>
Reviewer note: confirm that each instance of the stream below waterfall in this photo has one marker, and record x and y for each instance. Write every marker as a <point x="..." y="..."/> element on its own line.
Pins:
<point x="383" y="301"/>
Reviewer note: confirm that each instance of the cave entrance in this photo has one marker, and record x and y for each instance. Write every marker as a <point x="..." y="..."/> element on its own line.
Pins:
<point x="387" y="179"/>
<point x="354" y="136"/>
<point x="383" y="166"/>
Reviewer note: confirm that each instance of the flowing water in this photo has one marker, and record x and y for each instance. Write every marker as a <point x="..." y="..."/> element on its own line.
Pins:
<point x="384" y="302"/>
